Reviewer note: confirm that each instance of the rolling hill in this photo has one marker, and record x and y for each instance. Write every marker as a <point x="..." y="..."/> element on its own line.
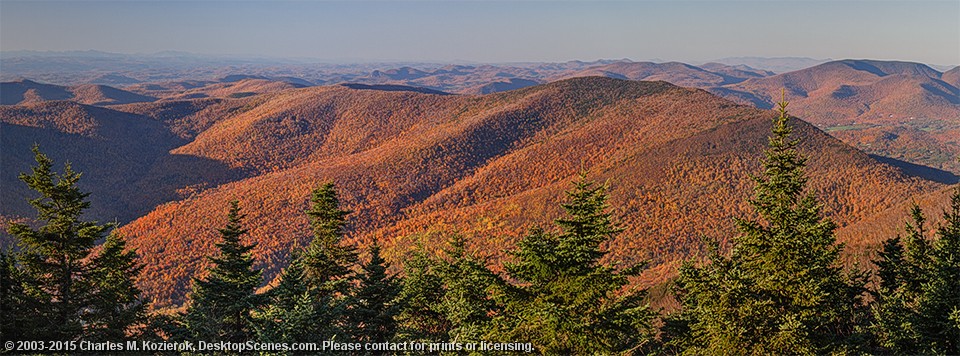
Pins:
<point x="775" y="64"/>
<point x="952" y="77"/>
<point x="232" y="86"/>
<point x="677" y="161"/>
<point x="672" y="72"/>
<point x="500" y="85"/>
<point x="27" y="91"/>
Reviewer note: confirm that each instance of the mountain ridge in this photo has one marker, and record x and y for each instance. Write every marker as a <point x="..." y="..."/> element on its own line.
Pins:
<point x="416" y="163"/>
<point x="468" y="158"/>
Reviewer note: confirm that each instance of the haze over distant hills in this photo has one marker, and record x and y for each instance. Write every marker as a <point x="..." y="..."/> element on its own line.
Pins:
<point x="776" y="65"/>
<point x="97" y="67"/>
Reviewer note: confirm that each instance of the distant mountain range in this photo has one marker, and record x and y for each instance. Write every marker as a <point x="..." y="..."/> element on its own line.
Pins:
<point x="776" y="64"/>
<point x="902" y="110"/>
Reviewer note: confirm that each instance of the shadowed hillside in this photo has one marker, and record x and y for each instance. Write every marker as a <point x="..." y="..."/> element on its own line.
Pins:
<point x="124" y="158"/>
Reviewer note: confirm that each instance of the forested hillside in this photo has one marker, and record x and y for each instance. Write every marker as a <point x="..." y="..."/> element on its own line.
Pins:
<point x="776" y="285"/>
<point x="410" y="163"/>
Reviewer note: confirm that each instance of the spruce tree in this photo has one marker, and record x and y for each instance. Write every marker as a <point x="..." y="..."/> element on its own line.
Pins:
<point x="447" y="298"/>
<point x="14" y="323"/>
<point x="941" y="303"/>
<point x="55" y="287"/>
<point x="311" y="299"/>
<point x="374" y="303"/>
<point x="293" y="313"/>
<point x="117" y="307"/>
<point x="565" y="300"/>
<point x="52" y="262"/>
<point x="327" y="262"/>
<point x="466" y="301"/>
<point x="782" y="290"/>
<point x="901" y="277"/>
<point x="421" y="318"/>
<point x="222" y="303"/>
<point x="918" y="297"/>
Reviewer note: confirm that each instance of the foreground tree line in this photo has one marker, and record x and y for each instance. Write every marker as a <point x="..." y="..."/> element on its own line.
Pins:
<point x="779" y="289"/>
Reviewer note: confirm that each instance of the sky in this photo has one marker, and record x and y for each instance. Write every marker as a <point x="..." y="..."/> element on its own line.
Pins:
<point x="493" y="31"/>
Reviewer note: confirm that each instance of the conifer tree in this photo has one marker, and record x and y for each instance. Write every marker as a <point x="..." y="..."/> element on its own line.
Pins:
<point x="901" y="276"/>
<point x="466" y="301"/>
<point x="12" y="298"/>
<point x="222" y="303"/>
<point x="447" y="297"/>
<point x="940" y="305"/>
<point x="117" y="306"/>
<point x="566" y="301"/>
<point x="292" y="312"/>
<point x="782" y="289"/>
<point x="918" y="299"/>
<point x="57" y="281"/>
<point x="374" y="305"/>
<point x="310" y="302"/>
<point x="327" y="262"/>
<point x="421" y="318"/>
<point x="55" y="287"/>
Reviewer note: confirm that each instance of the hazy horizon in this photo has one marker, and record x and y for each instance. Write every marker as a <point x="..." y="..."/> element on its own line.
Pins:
<point x="494" y="31"/>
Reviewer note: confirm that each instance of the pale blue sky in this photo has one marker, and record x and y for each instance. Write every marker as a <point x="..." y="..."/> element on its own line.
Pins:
<point x="493" y="31"/>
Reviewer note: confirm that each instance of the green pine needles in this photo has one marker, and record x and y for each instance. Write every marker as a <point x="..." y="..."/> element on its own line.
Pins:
<point x="222" y="303"/>
<point x="782" y="290"/>
<point x="55" y="286"/>
<point x="917" y="308"/>
<point x="565" y="301"/>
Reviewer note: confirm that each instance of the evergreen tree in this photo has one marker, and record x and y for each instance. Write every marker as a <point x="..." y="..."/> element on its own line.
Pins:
<point x="57" y="281"/>
<point x="292" y="312"/>
<point x="56" y="288"/>
<point x="918" y="298"/>
<point x="374" y="305"/>
<point x="310" y="302"/>
<point x="117" y="307"/>
<point x="327" y="261"/>
<point x="421" y="318"/>
<point x="14" y="323"/>
<point x="901" y="277"/>
<point x="940" y="304"/>
<point x="447" y="298"/>
<point x="782" y="289"/>
<point x="222" y="302"/>
<point x="565" y="301"/>
<point x="466" y="301"/>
